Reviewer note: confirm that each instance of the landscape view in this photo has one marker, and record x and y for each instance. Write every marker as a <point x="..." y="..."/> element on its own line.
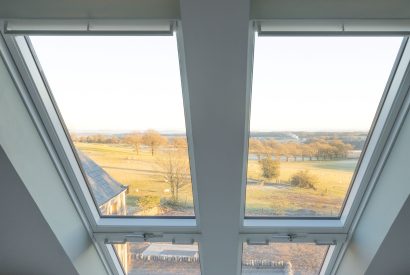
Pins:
<point x="153" y="166"/>
<point x="273" y="259"/>
<point x="151" y="258"/>
<point x="312" y="106"/>
<point x="301" y="173"/>
<point x="289" y="174"/>
<point x="283" y="259"/>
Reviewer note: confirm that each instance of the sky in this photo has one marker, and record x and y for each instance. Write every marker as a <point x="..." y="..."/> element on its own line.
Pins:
<point x="114" y="83"/>
<point x="121" y="84"/>
<point x="319" y="83"/>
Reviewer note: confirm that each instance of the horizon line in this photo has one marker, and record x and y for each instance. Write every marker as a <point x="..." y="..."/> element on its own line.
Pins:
<point x="184" y="132"/>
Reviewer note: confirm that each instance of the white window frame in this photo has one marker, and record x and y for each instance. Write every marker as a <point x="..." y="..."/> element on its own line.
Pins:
<point x="107" y="230"/>
<point x="386" y="124"/>
<point x="38" y="99"/>
<point x="379" y="132"/>
<point x="42" y="97"/>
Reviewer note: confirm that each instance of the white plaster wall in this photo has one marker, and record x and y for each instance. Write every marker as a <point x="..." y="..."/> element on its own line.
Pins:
<point x="26" y="151"/>
<point x="387" y="199"/>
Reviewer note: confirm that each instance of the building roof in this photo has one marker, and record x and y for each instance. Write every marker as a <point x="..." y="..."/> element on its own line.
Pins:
<point x="102" y="185"/>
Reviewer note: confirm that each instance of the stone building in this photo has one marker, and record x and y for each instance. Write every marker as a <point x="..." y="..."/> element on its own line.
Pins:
<point x="108" y="194"/>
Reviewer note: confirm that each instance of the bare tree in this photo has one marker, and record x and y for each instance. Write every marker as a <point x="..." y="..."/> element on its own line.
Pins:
<point x="256" y="147"/>
<point x="135" y="140"/>
<point x="153" y="139"/>
<point x="340" y="148"/>
<point x="293" y="150"/>
<point x="179" y="143"/>
<point x="176" y="169"/>
<point x="308" y="150"/>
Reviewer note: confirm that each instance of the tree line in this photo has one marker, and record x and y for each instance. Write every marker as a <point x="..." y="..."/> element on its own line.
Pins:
<point x="317" y="149"/>
<point x="150" y="138"/>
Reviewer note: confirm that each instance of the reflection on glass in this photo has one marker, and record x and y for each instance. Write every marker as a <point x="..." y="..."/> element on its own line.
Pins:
<point x="283" y="259"/>
<point x="121" y="101"/>
<point x="313" y="103"/>
<point x="158" y="258"/>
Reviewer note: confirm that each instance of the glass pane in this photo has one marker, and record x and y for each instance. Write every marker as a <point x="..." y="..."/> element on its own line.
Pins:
<point x="283" y="259"/>
<point x="158" y="258"/>
<point x="313" y="103"/>
<point x="121" y="100"/>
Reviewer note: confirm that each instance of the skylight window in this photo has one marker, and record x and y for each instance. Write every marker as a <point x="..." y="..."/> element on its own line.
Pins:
<point x="110" y="111"/>
<point x="283" y="258"/>
<point x="158" y="258"/>
<point x="121" y="101"/>
<point x="312" y="106"/>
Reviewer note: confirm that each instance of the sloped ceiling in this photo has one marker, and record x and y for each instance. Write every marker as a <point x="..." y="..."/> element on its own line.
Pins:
<point x="28" y="245"/>
<point x="393" y="256"/>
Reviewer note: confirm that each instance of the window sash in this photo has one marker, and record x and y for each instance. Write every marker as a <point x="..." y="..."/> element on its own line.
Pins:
<point x="64" y="148"/>
<point x="368" y="167"/>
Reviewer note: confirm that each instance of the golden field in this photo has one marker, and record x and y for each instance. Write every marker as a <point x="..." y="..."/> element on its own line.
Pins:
<point x="144" y="177"/>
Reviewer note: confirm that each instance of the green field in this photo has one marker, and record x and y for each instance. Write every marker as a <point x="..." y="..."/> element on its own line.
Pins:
<point x="145" y="177"/>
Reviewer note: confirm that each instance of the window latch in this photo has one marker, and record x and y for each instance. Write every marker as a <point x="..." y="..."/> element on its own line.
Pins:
<point x="144" y="236"/>
<point x="132" y="237"/>
<point x="290" y="237"/>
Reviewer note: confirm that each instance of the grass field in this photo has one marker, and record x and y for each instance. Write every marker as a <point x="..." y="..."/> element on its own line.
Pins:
<point x="144" y="177"/>
<point x="141" y="173"/>
<point x="281" y="199"/>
